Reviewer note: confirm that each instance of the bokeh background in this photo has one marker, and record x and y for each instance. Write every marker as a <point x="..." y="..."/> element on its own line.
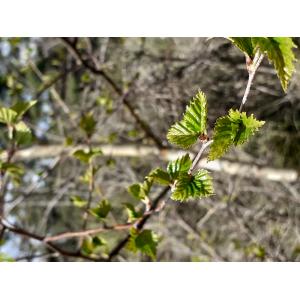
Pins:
<point x="253" y="216"/>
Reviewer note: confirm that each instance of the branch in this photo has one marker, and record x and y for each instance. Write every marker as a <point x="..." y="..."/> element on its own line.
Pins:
<point x="41" y="239"/>
<point x="251" y="71"/>
<point x="124" y="94"/>
<point x="140" y="224"/>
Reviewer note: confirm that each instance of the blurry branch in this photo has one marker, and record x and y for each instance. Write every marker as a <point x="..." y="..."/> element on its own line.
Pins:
<point x="53" y="247"/>
<point x="53" y="91"/>
<point x="229" y="167"/>
<point x="94" y="68"/>
<point x="49" y="83"/>
<point x="140" y="224"/>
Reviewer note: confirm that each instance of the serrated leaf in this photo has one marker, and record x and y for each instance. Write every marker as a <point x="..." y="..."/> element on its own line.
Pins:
<point x="7" y="115"/>
<point x="22" y="133"/>
<point x="160" y="176"/>
<point x="22" y="107"/>
<point x="233" y="129"/>
<point x="280" y="53"/>
<point x="145" y="241"/>
<point x="178" y="166"/>
<point x="189" y="186"/>
<point x="186" y="132"/>
<point x="133" y="214"/>
<point x="244" y="44"/>
<point x="101" y="210"/>
<point x="78" y="201"/>
<point x="86" y="155"/>
<point x="141" y="190"/>
<point x="88" y="124"/>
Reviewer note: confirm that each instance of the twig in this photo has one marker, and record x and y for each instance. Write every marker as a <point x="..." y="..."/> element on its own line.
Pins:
<point x="251" y="71"/>
<point x="198" y="156"/>
<point x="41" y="239"/>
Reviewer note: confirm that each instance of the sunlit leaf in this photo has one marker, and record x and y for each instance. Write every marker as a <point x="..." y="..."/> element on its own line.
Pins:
<point x="280" y="53"/>
<point x="160" y="176"/>
<point x="178" y="166"/>
<point x="233" y="129"/>
<point x="101" y="210"/>
<point x="145" y="241"/>
<point x="189" y="186"/>
<point x="186" y="132"/>
<point x="133" y="214"/>
<point x="78" y="201"/>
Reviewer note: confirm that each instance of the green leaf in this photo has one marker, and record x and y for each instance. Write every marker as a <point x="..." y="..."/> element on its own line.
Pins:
<point x="5" y="258"/>
<point x="133" y="214"/>
<point x="189" y="186"/>
<point x="7" y="115"/>
<point x="233" y="129"/>
<point x="178" y="166"/>
<point x="22" y="107"/>
<point x="86" y="156"/>
<point x="141" y="190"/>
<point x="145" y="241"/>
<point x="244" y="44"/>
<point x="280" y="53"/>
<point x="91" y="245"/>
<point x="88" y="124"/>
<point x="160" y="176"/>
<point x="186" y="132"/>
<point x="22" y="133"/>
<point x="78" y="201"/>
<point x="101" y="210"/>
<point x="13" y="170"/>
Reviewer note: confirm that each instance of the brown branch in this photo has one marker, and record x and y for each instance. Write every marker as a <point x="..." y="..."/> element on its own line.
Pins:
<point x="139" y="225"/>
<point x="124" y="94"/>
<point x="41" y="239"/>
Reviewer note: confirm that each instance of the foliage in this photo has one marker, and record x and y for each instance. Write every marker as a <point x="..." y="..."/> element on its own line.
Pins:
<point x="278" y="49"/>
<point x="233" y="129"/>
<point x="101" y="210"/>
<point x="145" y="241"/>
<point x="133" y="214"/>
<point x="190" y="186"/>
<point x="141" y="190"/>
<point x="186" y="132"/>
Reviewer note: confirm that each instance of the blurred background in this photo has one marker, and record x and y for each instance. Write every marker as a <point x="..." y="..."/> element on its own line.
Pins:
<point x="136" y="89"/>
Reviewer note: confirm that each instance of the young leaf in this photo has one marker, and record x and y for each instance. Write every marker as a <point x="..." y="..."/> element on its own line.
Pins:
<point x="13" y="170"/>
<point x="78" y="201"/>
<point x="21" y="107"/>
<point x="233" y="129"/>
<point x="160" y="176"/>
<point x="186" y="132"/>
<point x="145" y="241"/>
<point x="178" y="166"/>
<point x="133" y="214"/>
<point x="86" y="156"/>
<point x="188" y="186"/>
<point x="91" y="245"/>
<point x="244" y="44"/>
<point x="141" y="190"/>
<point x="280" y="53"/>
<point x="22" y="133"/>
<point x="7" y="115"/>
<point x="101" y="210"/>
<point x="88" y="124"/>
